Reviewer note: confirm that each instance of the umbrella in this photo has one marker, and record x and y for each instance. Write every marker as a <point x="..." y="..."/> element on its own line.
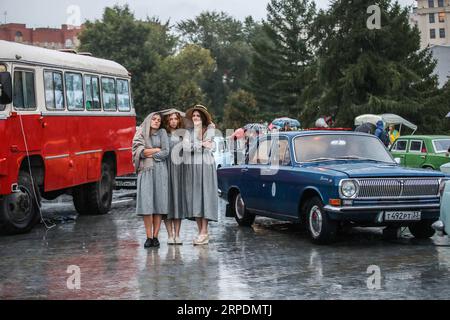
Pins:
<point x="261" y="128"/>
<point x="280" y="122"/>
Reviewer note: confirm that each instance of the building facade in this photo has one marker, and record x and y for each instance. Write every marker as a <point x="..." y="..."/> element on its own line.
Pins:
<point x="51" y="38"/>
<point x="432" y="17"/>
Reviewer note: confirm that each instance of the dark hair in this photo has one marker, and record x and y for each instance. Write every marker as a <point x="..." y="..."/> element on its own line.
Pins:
<point x="202" y="115"/>
<point x="160" y="116"/>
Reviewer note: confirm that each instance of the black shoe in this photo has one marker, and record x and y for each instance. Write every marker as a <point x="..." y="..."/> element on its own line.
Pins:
<point x="148" y="243"/>
<point x="156" y="242"/>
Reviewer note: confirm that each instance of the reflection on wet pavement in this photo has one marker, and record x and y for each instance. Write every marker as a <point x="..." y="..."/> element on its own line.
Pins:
<point x="272" y="260"/>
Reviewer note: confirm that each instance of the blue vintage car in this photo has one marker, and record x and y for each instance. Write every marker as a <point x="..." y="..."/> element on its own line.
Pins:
<point x="328" y="179"/>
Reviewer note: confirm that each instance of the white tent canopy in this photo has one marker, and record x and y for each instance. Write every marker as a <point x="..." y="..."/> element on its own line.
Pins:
<point x="387" y="118"/>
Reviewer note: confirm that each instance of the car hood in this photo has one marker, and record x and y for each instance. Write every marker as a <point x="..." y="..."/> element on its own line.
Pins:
<point x="371" y="169"/>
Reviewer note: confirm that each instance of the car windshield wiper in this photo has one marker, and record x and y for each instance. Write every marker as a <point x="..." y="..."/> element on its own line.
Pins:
<point x="360" y="158"/>
<point x="321" y="159"/>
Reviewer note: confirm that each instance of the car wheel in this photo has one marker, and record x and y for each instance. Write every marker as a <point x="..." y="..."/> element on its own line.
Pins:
<point x="19" y="211"/>
<point x="322" y="229"/>
<point x="242" y="215"/>
<point x="422" y="229"/>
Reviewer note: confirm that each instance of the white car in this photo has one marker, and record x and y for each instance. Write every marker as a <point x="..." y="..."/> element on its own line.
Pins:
<point x="445" y="168"/>
<point x="221" y="152"/>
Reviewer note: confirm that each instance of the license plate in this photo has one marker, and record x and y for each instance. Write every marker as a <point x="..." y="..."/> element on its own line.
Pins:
<point x="402" y="216"/>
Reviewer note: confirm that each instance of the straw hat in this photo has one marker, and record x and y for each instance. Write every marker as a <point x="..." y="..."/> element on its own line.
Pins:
<point x="201" y="109"/>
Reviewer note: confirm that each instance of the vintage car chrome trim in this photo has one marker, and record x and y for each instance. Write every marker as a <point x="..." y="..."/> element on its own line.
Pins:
<point x="398" y="188"/>
<point x="382" y="208"/>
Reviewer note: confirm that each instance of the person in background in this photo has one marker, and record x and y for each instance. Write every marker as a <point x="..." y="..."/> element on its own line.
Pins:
<point x="393" y="134"/>
<point x="381" y="133"/>
<point x="286" y="127"/>
<point x="150" y="151"/>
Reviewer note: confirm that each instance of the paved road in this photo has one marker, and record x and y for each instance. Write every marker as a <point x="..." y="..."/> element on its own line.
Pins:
<point x="272" y="260"/>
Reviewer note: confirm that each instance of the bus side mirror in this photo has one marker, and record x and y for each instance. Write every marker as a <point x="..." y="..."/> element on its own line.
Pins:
<point x="5" y="88"/>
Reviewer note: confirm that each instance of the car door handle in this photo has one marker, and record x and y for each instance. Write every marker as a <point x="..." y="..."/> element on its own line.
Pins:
<point x="244" y="170"/>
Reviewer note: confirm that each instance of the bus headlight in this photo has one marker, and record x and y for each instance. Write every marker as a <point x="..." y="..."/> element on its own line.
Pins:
<point x="348" y="189"/>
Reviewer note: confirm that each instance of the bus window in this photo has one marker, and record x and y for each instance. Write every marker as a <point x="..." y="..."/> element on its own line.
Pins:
<point x="24" y="95"/>
<point x="109" y="94"/>
<point x="74" y="91"/>
<point x="54" y="96"/>
<point x="92" y="93"/>
<point x="123" y="95"/>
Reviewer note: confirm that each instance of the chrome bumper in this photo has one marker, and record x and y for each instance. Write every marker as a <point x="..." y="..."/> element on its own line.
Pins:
<point x="434" y="206"/>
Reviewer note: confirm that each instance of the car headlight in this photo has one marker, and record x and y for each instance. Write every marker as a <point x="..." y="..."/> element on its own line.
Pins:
<point x="349" y="189"/>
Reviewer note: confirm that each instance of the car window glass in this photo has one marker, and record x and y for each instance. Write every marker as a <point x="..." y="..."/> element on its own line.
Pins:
<point x="54" y="96"/>
<point x="400" y="145"/>
<point x="261" y="156"/>
<point x="280" y="152"/>
<point x="24" y="95"/>
<point x="123" y="95"/>
<point x="416" y="146"/>
<point x="109" y="94"/>
<point x="442" y="145"/>
<point x="74" y="91"/>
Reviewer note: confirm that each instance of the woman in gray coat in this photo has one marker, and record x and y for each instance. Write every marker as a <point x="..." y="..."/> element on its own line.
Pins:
<point x="150" y="151"/>
<point x="173" y="122"/>
<point x="200" y="176"/>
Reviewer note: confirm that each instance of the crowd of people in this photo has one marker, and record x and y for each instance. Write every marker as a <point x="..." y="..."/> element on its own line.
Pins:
<point x="177" y="176"/>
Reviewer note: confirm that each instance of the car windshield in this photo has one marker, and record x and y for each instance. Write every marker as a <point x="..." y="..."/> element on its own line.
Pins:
<point x="441" y="145"/>
<point x="328" y="147"/>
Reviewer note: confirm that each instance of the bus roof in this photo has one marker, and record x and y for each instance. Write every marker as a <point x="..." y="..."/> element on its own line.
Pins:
<point x="9" y="51"/>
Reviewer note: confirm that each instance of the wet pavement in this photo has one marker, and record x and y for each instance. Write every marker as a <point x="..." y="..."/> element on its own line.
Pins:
<point x="272" y="260"/>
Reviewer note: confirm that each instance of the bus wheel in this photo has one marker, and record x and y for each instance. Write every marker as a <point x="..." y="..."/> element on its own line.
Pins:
<point x="95" y="198"/>
<point x="19" y="211"/>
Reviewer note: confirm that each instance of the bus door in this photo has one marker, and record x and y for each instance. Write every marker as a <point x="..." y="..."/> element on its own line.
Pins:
<point x="25" y="132"/>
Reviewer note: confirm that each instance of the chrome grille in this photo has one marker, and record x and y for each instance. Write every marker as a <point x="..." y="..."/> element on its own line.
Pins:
<point x="398" y="188"/>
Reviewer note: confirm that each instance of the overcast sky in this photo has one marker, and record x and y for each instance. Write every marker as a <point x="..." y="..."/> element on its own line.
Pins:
<point x="53" y="13"/>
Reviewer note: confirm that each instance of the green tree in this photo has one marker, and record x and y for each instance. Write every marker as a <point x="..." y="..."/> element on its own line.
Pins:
<point x="140" y="46"/>
<point x="227" y="40"/>
<point x="282" y="55"/>
<point x="240" y="109"/>
<point x="371" y="71"/>
<point x="184" y="73"/>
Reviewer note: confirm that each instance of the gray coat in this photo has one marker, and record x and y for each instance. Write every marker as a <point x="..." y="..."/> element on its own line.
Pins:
<point x="199" y="178"/>
<point x="152" y="181"/>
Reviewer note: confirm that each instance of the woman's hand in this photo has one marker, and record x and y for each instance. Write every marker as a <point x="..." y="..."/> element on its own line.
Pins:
<point x="148" y="153"/>
<point x="207" y="144"/>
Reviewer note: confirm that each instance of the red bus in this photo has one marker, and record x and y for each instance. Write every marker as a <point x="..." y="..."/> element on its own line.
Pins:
<point x="66" y="126"/>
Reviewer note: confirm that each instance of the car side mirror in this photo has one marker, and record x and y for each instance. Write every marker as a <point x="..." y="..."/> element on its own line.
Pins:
<point x="398" y="160"/>
<point x="5" y="88"/>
